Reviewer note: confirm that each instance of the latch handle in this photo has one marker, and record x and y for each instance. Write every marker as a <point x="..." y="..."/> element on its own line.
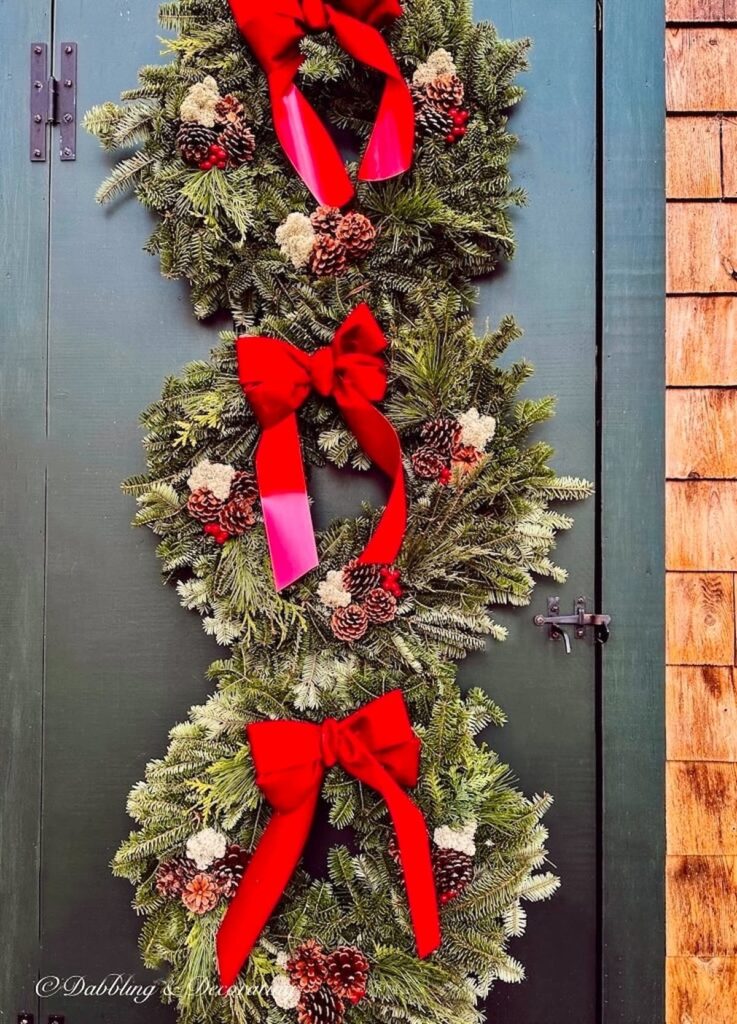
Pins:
<point x="581" y="620"/>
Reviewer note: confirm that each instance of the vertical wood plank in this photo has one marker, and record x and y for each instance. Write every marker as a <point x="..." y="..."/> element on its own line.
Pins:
<point x="699" y="621"/>
<point x="702" y="247"/>
<point x="123" y="661"/>
<point x="694" y="158"/>
<point x="701" y="712"/>
<point x="729" y="156"/>
<point x="701" y="340"/>
<point x="701" y="895"/>
<point x="632" y="381"/>
<point x="699" y="69"/>
<point x="701" y="808"/>
<point x="701" y="990"/>
<point x="701" y="525"/>
<point x="701" y="427"/>
<point x="24" y="189"/>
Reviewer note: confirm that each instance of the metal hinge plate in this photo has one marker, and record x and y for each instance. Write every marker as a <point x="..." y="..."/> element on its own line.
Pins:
<point x="53" y="102"/>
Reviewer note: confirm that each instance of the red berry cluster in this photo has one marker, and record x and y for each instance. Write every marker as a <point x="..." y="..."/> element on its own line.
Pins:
<point x="460" y="121"/>
<point x="217" y="156"/>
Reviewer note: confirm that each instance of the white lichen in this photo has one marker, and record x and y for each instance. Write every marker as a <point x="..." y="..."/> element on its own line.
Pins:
<point x="215" y="476"/>
<point x="200" y="102"/>
<point x="332" y="592"/>
<point x="439" y="63"/>
<point x="476" y="430"/>
<point x="296" y="239"/>
<point x="206" y="846"/>
<point x="284" y="993"/>
<point x="460" y="839"/>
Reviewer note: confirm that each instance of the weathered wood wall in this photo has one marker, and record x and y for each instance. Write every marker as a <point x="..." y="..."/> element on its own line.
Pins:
<point x="701" y="555"/>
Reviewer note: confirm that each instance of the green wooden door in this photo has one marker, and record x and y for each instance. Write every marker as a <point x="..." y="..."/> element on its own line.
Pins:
<point x="100" y="660"/>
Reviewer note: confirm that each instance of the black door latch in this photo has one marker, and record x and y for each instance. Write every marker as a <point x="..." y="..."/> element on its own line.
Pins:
<point x="581" y="620"/>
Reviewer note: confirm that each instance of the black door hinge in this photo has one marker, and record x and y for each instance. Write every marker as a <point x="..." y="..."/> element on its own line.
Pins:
<point x="53" y="101"/>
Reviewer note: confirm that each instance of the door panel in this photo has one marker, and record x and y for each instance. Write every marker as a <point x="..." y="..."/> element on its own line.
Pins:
<point x="550" y="740"/>
<point x="124" y="661"/>
<point x="24" y="215"/>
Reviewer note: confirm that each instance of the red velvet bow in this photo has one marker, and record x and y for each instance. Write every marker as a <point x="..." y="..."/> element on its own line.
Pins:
<point x="377" y="746"/>
<point x="277" y="378"/>
<point x="274" y="30"/>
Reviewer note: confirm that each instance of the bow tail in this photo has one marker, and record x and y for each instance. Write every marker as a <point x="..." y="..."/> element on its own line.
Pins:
<point x="286" y="508"/>
<point x="391" y="145"/>
<point x="267" y="876"/>
<point x="414" y="853"/>
<point x="380" y="441"/>
<point x="307" y="143"/>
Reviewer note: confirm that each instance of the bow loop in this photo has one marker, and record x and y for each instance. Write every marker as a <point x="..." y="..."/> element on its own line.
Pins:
<point x="314" y="15"/>
<point x="274" y="30"/>
<point x="277" y="378"/>
<point x="378" y="747"/>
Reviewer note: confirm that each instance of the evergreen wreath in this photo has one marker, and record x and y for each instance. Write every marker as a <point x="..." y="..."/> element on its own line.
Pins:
<point x="439" y="226"/>
<point x="241" y="227"/>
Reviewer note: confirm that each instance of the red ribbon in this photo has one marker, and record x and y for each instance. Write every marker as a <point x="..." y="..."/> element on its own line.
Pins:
<point x="277" y="378"/>
<point x="274" y="30"/>
<point x="377" y="746"/>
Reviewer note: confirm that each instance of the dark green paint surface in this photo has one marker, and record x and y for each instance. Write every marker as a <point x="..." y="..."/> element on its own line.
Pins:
<point x="122" y="661"/>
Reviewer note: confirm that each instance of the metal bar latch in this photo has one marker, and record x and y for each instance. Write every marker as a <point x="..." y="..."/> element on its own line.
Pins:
<point x="580" y="620"/>
<point x="53" y="102"/>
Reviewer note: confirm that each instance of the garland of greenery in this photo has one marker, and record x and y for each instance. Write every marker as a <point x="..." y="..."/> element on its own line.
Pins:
<point x="480" y="528"/>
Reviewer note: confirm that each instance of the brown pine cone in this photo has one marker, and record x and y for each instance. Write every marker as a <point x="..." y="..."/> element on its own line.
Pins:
<point x="239" y="142"/>
<point x="349" y="624"/>
<point x="357" y="234"/>
<point x="244" y="485"/>
<point x="361" y="577"/>
<point x="204" y="506"/>
<point x="380" y="606"/>
<point x="428" y="463"/>
<point x="320" y="1007"/>
<point x="348" y="971"/>
<point x="445" y="92"/>
<point x="172" y="875"/>
<point x="442" y="433"/>
<point x="237" y="516"/>
<point x="229" y="108"/>
<point x="326" y="220"/>
<point x="229" y="869"/>
<point x="328" y="257"/>
<point x="201" y="894"/>
<point x="453" y="872"/>
<point x="429" y="118"/>
<point x="307" y="966"/>
<point x="194" y="141"/>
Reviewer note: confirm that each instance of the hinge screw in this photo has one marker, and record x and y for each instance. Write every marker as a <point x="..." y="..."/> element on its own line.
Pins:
<point x="37" y="153"/>
<point x="67" y="151"/>
<point x="68" y="83"/>
<point x="38" y="49"/>
<point x="38" y="85"/>
<point x="37" y="118"/>
<point x="68" y="119"/>
<point x="68" y="49"/>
